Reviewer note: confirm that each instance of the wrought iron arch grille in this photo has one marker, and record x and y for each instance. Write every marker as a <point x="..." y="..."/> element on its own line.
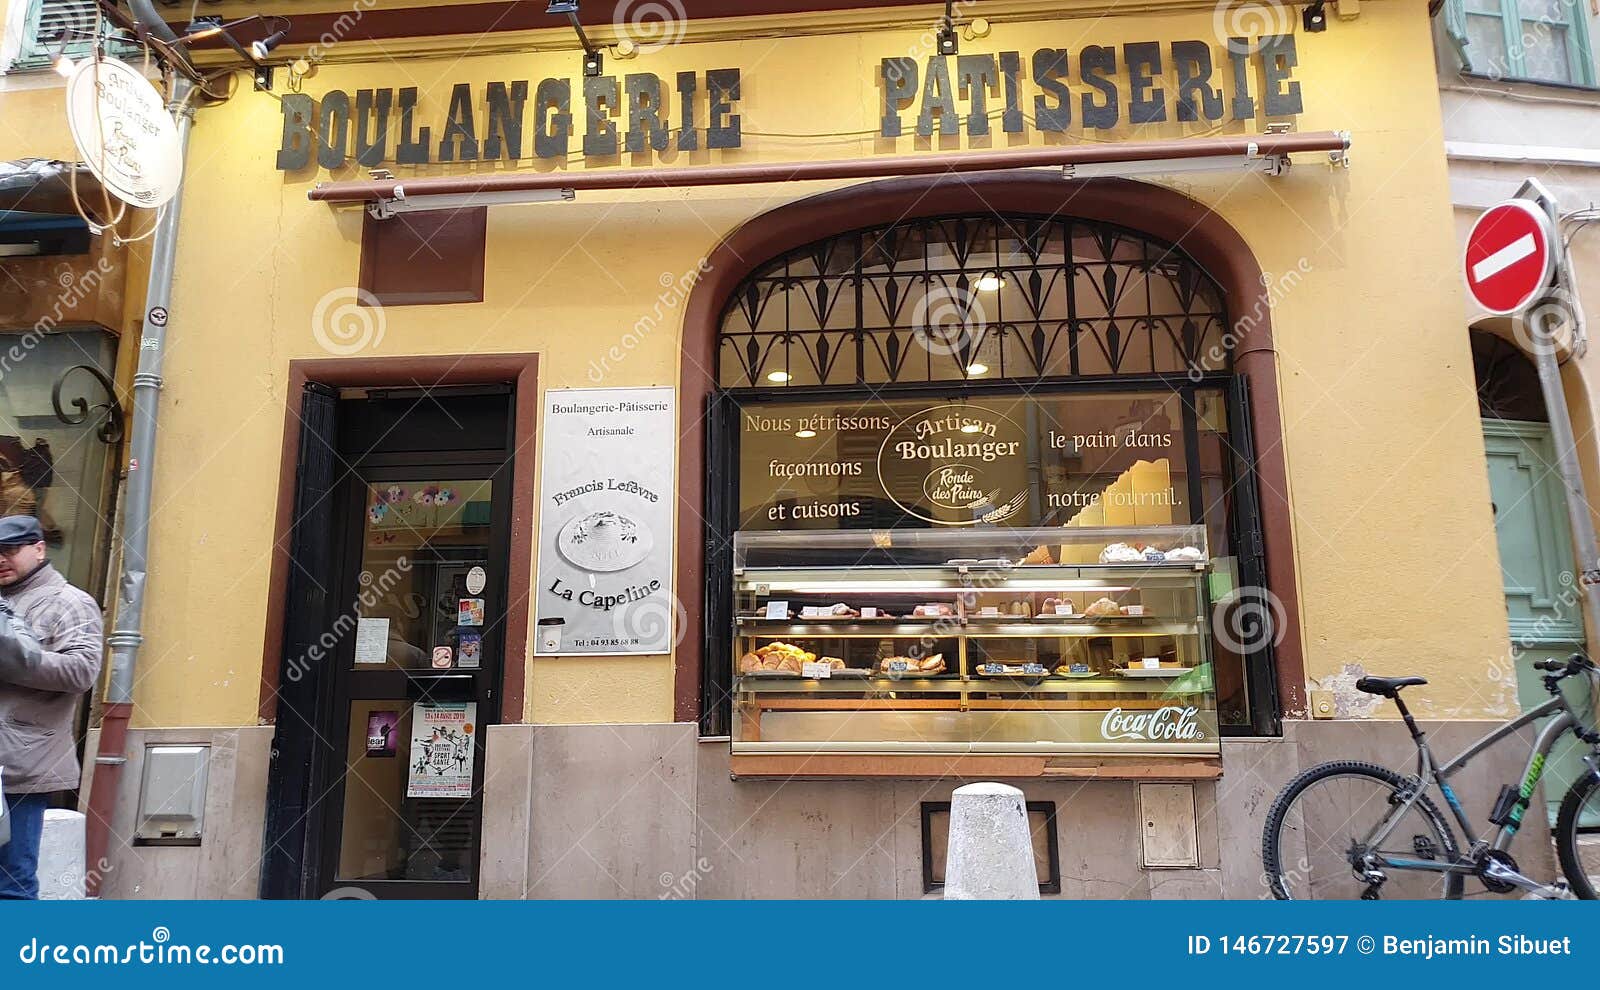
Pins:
<point x="973" y="298"/>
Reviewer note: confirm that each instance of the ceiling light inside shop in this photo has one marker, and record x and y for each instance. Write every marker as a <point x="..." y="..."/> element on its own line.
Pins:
<point x="778" y="376"/>
<point x="972" y="426"/>
<point x="990" y="282"/>
<point x="976" y="368"/>
<point x="805" y="434"/>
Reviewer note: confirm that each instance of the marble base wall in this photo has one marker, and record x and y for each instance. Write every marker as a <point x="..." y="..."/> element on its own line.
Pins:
<point x="227" y="863"/>
<point x="650" y="811"/>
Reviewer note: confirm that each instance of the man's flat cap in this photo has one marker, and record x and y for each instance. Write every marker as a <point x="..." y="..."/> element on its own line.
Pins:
<point x="17" y="531"/>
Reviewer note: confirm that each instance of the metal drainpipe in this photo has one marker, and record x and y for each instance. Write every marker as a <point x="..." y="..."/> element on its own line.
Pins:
<point x="126" y="636"/>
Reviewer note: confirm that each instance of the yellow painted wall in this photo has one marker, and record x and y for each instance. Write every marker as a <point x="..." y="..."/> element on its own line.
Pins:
<point x="1396" y="545"/>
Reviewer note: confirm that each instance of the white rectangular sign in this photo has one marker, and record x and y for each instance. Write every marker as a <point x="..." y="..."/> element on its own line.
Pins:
<point x="441" y="750"/>
<point x="606" y="523"/>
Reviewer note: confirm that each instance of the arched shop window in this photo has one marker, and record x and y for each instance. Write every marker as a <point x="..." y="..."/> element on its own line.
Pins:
<point x="1105" y="354"/>
<point x="973" y="299"/>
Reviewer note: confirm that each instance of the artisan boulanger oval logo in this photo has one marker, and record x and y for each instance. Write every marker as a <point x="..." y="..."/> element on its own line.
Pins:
<point x="954" y="465"/>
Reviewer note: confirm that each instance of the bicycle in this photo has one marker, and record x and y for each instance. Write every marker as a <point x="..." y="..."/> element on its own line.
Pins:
<point x="1410" y="851"/>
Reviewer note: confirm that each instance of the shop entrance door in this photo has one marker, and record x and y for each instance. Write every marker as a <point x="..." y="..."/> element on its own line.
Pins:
<point x="414" y="586"/>
<point x="1543" y="604"/>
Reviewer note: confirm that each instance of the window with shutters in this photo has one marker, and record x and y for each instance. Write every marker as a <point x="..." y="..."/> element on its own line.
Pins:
<point x="1532" y="40"/>
<point x="51" y="27"/>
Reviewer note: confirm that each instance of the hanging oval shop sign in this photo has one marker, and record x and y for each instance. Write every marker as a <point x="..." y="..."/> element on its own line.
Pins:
<point x="955" y="465"/>
<point x="1510" y="256"/>
<point x="123" y="132"/>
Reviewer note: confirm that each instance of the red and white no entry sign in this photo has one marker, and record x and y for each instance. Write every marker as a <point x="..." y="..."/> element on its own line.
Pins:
<point x="1510" y="256"/>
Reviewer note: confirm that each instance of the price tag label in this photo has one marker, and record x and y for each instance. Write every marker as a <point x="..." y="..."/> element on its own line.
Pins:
<point x="813" y="612"/>
<point x="821" y="670"/>
<point x="868" y="612"/>
<point x="777" y="610"/>
<point x="1063" y="609"/>
<point x="1151" y="663"/>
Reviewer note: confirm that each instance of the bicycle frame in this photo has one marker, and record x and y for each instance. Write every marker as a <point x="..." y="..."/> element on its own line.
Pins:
<point x="1565" y="720"/>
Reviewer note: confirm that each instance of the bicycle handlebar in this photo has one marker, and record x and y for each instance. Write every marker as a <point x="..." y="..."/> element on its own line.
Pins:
<point x="1564" y="668"/>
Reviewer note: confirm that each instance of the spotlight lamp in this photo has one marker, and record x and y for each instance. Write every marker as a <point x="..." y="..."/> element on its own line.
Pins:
<point x="263" y="47"/>
<point x="593" y="60"/>
<point x="949" y="43"/>
<point x="1315" y="16"/>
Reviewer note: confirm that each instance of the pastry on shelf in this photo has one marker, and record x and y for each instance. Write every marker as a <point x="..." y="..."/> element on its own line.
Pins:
<point x="934" y="610"/>
<point x="1102" y="608"/>
<point x="833" y="662"/>
<point x="926" y="667"/>
<point x="1039" y="555"/>
<point x="1185" y="554"/>
<point x="776" y="656"/>
<point x="1122" y="553"/>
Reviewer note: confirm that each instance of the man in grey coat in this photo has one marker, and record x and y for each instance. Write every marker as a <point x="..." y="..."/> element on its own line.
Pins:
<point x="50" y="654"/>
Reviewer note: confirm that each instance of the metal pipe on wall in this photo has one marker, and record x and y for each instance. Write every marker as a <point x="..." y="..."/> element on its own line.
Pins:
<point x="126" y="631"/>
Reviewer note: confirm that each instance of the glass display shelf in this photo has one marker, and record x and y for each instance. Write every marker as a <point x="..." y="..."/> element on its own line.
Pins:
<point x="1101" y="636"/>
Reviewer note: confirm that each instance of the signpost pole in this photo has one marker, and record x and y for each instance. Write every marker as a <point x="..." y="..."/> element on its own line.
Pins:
<point x="1546" y="323"/>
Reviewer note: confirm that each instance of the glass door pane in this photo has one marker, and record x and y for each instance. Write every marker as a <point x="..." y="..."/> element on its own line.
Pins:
<point x="424" y="560"/>
<point x="397" y="749"/>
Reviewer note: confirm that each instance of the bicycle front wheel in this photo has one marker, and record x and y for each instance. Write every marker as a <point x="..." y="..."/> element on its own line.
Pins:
<point x="1580" y="851"/>
<point x="1314" y="843"/>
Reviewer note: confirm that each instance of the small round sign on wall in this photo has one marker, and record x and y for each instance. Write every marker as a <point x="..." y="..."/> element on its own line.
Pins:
<point x="123" y="132"/>
<point x="1510" y="256"/>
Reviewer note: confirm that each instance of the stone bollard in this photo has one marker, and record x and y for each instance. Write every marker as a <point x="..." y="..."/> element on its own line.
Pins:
<point x="990" y="850"/>
<point x="61" y="856"/>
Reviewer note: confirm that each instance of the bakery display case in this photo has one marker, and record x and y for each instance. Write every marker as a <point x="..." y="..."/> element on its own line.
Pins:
<point x="1058" y="641"/>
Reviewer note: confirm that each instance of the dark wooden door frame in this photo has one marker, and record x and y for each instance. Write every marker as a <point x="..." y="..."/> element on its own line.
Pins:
<point x="413" y="686"/>
<point x="431" y="371"/>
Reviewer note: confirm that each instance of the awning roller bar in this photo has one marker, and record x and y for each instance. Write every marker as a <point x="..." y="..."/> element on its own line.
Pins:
<point x="1077" y="160"/>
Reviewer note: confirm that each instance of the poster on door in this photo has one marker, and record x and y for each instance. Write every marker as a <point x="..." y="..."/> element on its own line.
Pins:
<point x="441" y="750"/>
<point x="606" y="516"/>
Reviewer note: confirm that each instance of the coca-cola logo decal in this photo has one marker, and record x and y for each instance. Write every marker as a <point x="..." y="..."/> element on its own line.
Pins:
<point x="1173" y="723"/>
